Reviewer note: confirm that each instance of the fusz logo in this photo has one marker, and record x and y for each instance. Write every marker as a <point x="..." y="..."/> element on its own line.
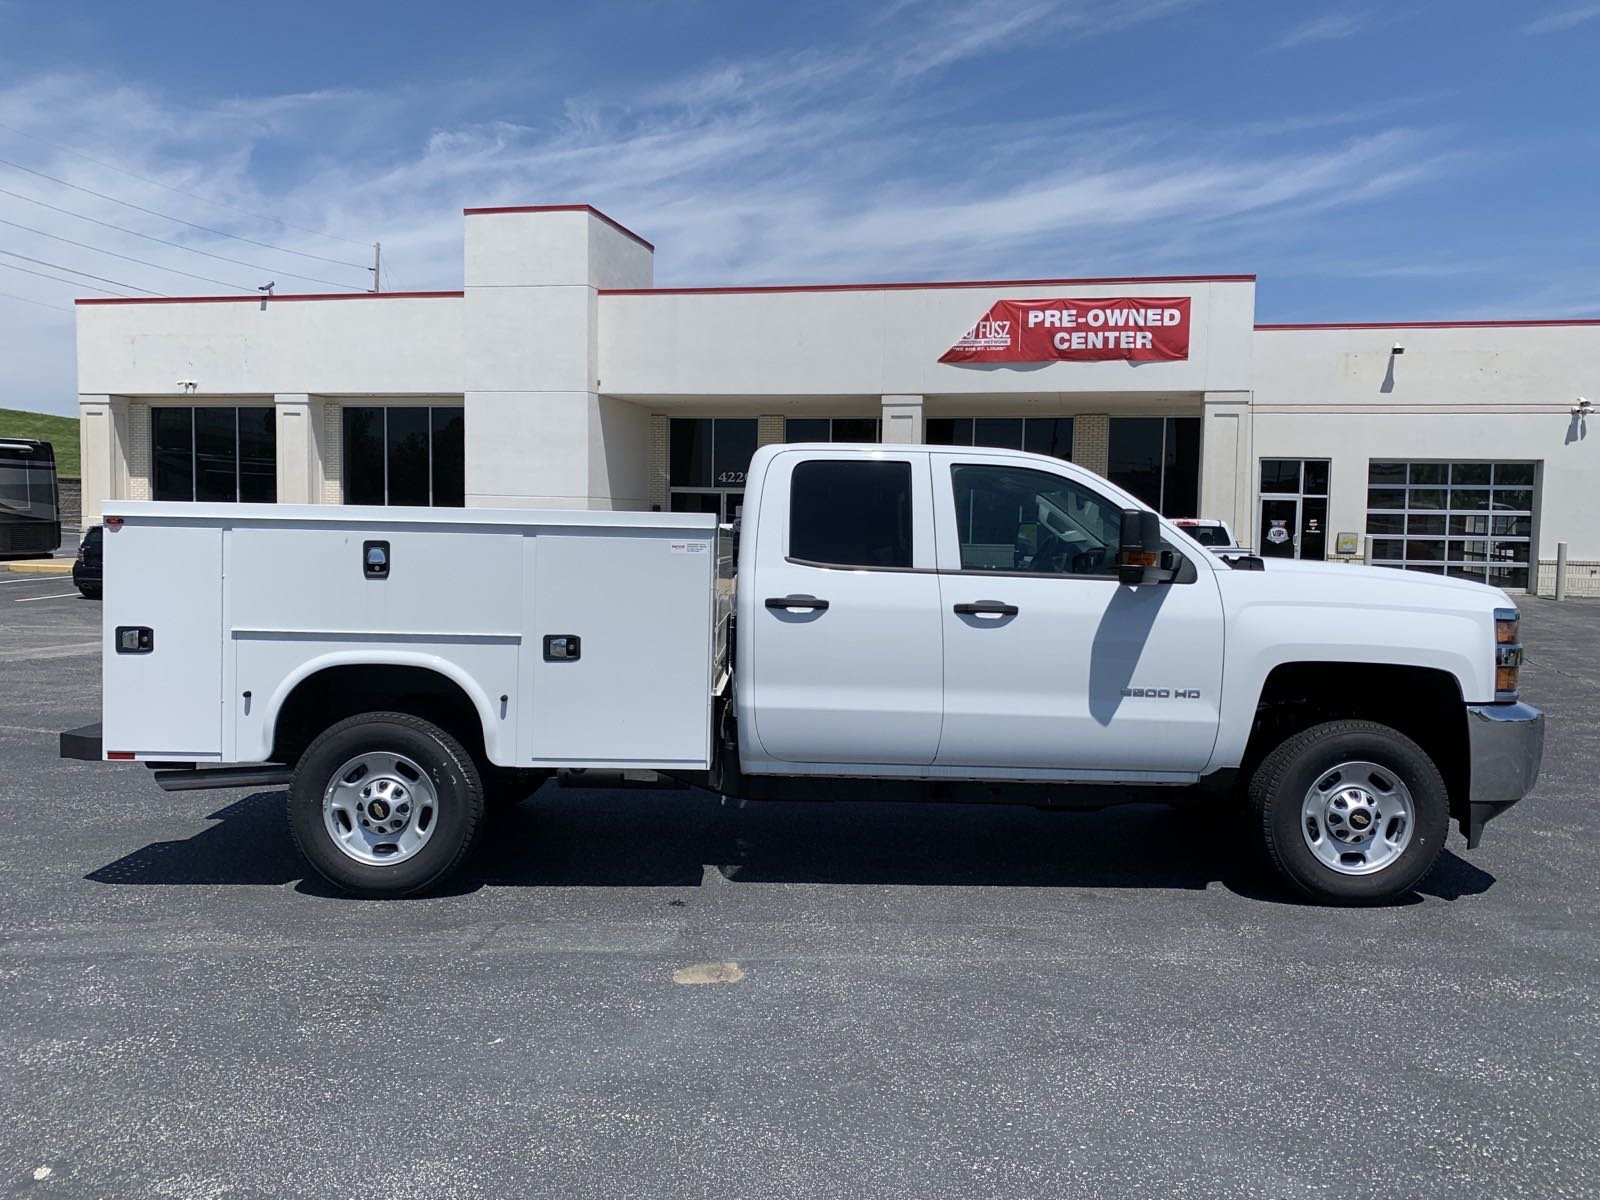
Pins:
<point x="987" y="334"/>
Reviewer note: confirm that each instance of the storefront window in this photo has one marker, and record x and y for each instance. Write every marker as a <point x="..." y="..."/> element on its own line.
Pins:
<point x="1158" y="460"/>
<point x="406" y="455"/>
<point x="215" y="453"/>
<point x="1037" y="435"/>
<point x="707" y="459"/>
<point x="831" y="429"/>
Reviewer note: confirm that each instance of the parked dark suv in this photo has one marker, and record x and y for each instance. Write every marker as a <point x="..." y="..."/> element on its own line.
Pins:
<point x="86" y="570"/>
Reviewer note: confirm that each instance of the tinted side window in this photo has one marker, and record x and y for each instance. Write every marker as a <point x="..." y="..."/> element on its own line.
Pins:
<point x="1015" y="519"/>
<point x="851" y="513"/>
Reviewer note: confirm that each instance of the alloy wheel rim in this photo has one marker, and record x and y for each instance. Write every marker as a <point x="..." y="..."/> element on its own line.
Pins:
<point x="380" y="808"/>
<point x="1357" y="818"/>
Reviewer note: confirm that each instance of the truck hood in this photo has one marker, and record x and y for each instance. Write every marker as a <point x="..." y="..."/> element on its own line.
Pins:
<point x="1350" y="580"/>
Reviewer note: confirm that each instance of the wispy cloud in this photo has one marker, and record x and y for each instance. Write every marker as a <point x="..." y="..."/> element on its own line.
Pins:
<point x="816" y="165"/>
<point x="1329" y="27"/>
<point x="1563" y="18"/>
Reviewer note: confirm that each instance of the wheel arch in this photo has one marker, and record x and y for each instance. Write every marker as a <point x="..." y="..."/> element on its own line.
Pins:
<point x="331" y="687"/>
<point x="1424" y="703"/>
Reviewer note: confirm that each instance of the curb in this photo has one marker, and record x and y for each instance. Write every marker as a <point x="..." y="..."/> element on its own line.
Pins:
<point x="51" y="566"/>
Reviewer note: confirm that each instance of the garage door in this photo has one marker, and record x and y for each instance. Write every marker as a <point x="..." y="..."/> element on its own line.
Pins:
<point x="1473" y="520"/>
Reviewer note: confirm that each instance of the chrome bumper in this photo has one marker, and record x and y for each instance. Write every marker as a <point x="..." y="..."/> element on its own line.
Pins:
<point x="1506" y="743"/>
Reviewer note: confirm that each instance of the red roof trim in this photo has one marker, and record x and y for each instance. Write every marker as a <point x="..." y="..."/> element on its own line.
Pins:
<point x="269" y="299"/>
<point x="902" y="287"/>
<point x="537" y="208"/>
<point x="1518" y="324"/>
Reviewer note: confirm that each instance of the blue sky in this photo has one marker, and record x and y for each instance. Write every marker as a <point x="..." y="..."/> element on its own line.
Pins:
<point x="1368" y="161"/>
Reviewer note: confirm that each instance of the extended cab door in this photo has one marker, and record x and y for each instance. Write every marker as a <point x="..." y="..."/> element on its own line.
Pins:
<point x="1049" y="662"/>
<point x="839" y="611"/>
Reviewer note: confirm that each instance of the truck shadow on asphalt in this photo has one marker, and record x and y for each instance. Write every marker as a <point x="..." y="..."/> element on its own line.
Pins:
<point x="568" y="838"/>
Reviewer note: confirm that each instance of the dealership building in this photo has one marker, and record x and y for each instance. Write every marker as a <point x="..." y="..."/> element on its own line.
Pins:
<point x="560" y="377"/>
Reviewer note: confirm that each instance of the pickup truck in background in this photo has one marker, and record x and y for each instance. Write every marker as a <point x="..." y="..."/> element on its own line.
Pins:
<point x="905" y="622"/>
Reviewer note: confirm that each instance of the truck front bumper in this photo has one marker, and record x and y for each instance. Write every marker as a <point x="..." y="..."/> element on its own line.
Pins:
<point x="1506" y="745"/>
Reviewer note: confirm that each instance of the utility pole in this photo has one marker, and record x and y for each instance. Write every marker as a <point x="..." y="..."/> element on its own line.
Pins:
<point x="377" y="266"/>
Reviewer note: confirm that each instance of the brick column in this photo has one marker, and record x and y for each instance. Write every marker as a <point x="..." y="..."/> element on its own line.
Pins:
<point x="332" y="453"/>
<point x="769" y="430"/>
<point x="136" y="434"/>
<point x="1091" y="442"/>
<point x="658" y="462"/>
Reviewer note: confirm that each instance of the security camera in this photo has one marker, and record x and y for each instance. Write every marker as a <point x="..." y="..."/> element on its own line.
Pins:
<point x="187" y="385"/>
<point x="1583" y="408"/>
<point x="1397" y="348"/>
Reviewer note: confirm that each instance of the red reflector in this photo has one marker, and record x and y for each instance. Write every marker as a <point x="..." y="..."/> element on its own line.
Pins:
<point x="120" y="755"/>
<point x="113" y="522"/>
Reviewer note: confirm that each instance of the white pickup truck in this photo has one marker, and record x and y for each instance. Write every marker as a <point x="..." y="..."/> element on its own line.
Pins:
<point x="905" y="622"/>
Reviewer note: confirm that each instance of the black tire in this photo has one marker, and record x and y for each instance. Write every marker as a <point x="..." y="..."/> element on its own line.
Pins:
<point x="1281" y="783"/>
<point x="450" y="769"/>
<point x="89" y="591"/>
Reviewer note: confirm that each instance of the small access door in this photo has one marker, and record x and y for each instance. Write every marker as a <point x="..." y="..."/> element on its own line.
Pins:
<point x="1294" y="508"/>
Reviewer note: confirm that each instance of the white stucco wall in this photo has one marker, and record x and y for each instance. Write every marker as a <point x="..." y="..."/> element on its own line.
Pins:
<point x="1501" y="392"/>
<point x="877" y="341"/>
<point x="358" y="344"/>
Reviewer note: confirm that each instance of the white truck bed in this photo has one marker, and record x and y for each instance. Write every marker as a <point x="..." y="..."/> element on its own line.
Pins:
<point x="246" y="602"/>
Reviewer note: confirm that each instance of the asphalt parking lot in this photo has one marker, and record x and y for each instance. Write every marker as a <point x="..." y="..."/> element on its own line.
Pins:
<point x="935" y="1001"/>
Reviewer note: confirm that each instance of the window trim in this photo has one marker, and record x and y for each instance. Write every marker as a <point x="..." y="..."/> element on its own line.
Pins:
<point x="383" y="442"/>
<point x="955" y="525"/>
<point x="194" y="460"/>
<point x="911" y="514"/>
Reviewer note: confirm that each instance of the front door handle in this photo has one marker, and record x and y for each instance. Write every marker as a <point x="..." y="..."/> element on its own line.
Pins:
<point x="987" y="608"/>
<point x="791" y="602"/>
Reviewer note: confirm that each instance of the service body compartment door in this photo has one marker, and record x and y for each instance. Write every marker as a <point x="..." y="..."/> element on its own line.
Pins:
<point x="165" y="701"/>
<point x="856" y="676"/>
<point x="617" y="657"/>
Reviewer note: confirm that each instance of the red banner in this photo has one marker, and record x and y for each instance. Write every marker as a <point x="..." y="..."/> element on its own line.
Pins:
<point x="1139" y="329"/>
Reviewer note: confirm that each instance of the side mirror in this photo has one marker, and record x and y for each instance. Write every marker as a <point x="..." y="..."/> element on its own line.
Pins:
<point x="1139" y="555"/>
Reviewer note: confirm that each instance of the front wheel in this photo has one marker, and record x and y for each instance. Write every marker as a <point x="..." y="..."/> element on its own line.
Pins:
<point x="385" y="804"/>
<point x="1350" y="812"/>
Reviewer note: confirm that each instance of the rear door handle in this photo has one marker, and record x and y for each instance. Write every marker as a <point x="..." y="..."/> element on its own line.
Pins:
<point x="810" y="602"/>
<point x="987" y="608"/>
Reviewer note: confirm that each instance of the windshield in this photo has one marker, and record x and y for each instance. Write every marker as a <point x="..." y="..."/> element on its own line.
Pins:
<point x="27" y="481"/>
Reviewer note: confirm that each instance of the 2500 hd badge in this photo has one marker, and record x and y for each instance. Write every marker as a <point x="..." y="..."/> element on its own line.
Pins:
<point x="1163" y="693"/>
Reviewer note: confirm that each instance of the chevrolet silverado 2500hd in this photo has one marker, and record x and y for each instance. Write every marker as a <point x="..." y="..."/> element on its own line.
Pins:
<point x="904" y="622"/>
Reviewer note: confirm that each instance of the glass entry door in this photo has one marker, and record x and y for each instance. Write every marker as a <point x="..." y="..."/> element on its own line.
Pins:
<point x="1294" y="508"/>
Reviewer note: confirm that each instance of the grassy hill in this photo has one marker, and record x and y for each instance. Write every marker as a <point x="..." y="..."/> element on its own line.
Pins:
<point x="60" y="432"/>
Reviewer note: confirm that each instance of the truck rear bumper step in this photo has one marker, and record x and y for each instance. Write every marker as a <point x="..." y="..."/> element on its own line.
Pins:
<point x="222" y="777"/>
<point x="82" y="743"/>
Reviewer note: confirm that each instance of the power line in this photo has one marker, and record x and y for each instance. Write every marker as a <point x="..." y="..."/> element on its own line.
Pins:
<point x="127" y="257"/>
<point x="31" y="300"/>
<point x="150" y="237"/>
<point x="169" y="217"/>
<point x="58" y="279"/>
<point x="74" y="271"/>
<point x="180" y="191"/>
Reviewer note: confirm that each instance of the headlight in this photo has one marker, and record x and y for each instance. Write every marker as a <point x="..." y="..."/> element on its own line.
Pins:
<point x="1507" y="653"/>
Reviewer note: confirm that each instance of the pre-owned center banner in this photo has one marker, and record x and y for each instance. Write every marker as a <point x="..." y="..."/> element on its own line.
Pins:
<point x="1142" y="329"/>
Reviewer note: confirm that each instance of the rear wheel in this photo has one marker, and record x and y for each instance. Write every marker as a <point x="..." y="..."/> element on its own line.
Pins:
<point x="385" y="804"/>
<point x="1350" y="811"/>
